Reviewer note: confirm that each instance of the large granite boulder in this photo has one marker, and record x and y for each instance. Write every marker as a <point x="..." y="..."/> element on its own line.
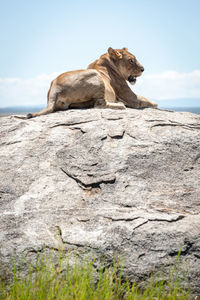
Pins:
<point x="112" y="182"/>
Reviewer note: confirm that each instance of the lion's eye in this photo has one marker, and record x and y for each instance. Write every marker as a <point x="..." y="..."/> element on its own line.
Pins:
<point x="132" y="61"/>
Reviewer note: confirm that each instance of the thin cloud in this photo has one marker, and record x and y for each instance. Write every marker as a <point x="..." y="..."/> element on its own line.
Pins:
<point x="25" y="92"/>
<point x="166" y="85"/>
<point x="169" y="85"/>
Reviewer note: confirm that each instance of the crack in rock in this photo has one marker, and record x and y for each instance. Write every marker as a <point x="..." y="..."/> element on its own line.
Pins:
<point x="159" y="220"/>
<point x="72" y="123"/>
<point x="118" y="136"/>
<point x="141" y="224"/>
<point x="196" y="158"/>
<point x="167" y="220"/>
<point x="183" y="251"/>
<point x="96" y="184"/>
<point x="41" y="249"/>
<point x="113" y="219"/>
<point x="189" y="127"/>
<point x="64" y="243"/>
<point x="78" y="128"/>
<point x="11" y="143"/>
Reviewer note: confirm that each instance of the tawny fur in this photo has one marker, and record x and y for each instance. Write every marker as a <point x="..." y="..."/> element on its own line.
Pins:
<point x="102" y="84"/>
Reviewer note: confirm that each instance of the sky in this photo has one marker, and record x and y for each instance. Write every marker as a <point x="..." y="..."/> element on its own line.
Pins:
<point x="42" y="38"/>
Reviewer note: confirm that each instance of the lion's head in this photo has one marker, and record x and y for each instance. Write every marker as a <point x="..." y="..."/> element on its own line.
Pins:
<point x="126" y="63"/>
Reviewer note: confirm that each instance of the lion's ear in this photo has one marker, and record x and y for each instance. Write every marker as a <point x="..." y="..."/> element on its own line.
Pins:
<point x="114" y="53"/>
<point x="126" y="49"/>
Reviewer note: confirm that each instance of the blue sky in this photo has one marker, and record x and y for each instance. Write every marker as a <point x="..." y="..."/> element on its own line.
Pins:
<point x="40" y="39"/>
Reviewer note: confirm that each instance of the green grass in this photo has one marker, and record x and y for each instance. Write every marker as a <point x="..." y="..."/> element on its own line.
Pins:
<point x="84" y="282"/>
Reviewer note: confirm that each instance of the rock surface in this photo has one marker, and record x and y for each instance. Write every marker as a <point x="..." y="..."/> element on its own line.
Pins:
<point x="107" y="181"/>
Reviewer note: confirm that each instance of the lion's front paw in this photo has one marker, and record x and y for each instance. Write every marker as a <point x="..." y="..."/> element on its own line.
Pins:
<point x="154" y="104"/>
<point x="147" y="103"/>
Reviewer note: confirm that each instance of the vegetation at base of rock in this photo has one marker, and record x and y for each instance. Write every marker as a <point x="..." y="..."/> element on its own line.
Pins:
<point x="83" y="281"/>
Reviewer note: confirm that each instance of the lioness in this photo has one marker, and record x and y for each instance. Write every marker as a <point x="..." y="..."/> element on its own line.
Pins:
<point x="103" y="83"/>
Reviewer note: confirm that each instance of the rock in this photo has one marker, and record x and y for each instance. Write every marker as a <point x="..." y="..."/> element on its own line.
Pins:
<point x="112" y="182"/>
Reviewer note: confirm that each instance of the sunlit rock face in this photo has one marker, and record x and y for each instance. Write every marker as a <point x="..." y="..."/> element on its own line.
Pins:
<point x="110" y="182"/>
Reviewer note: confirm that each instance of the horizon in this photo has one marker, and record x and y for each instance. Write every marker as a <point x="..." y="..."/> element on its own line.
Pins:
<point x="40" y="40"/>
<point x="9" y="110"/>
<point x="181" y="103"/>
